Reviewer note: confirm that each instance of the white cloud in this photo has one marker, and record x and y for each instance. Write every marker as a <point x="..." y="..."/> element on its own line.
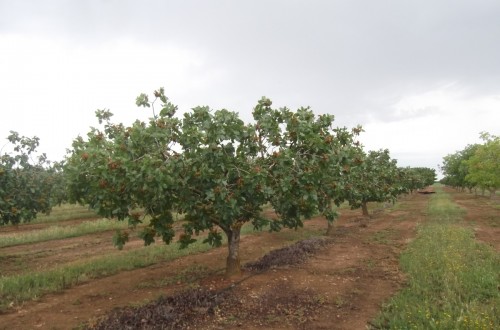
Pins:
<point x="428" y="126"/>
<point x="422" y="78"/>
<point x="51" y="89"/>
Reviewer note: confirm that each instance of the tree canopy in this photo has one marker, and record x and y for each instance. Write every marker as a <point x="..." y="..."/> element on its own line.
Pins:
<point x="476" y="166"/>
<point x="29" y="184"/>
<point x="484" y="165"/>
<point x="377" y="178"/>
<point x="455" y="168"/>
<point x="213" y="168"/>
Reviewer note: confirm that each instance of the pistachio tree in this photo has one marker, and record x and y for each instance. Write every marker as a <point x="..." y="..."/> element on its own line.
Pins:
<point x="222" y="181"/>
<point x="376" y="179"/>
<point x="210" y="166"/>
<point x="455" y="168"/>
<point x="308" y="161"/>
<point x="427" y="175"/>
<point x="414" y="178"/>
<point x="29" y="184"/>
<point x="484" y="165"/>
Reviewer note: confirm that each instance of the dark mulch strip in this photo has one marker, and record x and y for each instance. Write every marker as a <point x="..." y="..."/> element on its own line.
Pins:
<point x="191" y="307"/>
<point x="290" y="255"/>
<point x="175" y="312"/>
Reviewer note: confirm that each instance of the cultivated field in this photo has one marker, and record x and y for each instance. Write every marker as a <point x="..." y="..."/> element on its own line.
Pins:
<point x="63" y="272"/>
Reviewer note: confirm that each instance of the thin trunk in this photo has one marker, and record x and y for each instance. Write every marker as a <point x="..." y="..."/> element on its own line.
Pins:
<point x="493" y="192"/>
<point x="364" y="208"/>
<point x="233" y="266"/>
<point x="330" y="216"/>
<point x="329" y="229"/>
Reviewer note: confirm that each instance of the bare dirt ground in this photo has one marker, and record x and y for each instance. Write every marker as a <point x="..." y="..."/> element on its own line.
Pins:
<point x="483" y="214"/>
<point x="45" y="255"/>
<point x="340" y="287"/>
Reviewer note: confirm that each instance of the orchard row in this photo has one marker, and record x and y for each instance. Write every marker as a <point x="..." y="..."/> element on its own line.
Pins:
<point x="476" y="166"/>
<point x="216" y="170"/>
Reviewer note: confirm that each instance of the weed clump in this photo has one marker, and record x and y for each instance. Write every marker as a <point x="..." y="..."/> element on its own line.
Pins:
<point x="290" y="255"/>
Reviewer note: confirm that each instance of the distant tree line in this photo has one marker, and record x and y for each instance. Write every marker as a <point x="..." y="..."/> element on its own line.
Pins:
<point x="29" y="184"/>
<point x="475" y="167"/>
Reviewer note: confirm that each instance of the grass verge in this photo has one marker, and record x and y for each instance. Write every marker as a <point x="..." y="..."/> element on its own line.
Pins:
<point x="65" y="212"/>
<point x="61" y="232"/>
<point x="18" y="288"/>
<point x="453" y="279"/>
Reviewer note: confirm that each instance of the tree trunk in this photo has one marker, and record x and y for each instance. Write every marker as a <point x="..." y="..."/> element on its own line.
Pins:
<point x="493" y="193"/>
<point x="329" y="229"/>
<point x="233" y="266"/>
<point x="364" y="208"/>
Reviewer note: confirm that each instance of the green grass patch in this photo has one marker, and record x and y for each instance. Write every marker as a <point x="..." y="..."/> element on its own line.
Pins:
<point x="453" y="279"/>
<point x="18" y="288"/>
<point x="60" y="232"/>
<point x="398" y="206"/>
<point x="385" y="236"/>
<point x="442" y="210"/>
<point x="15" y="289"/>
<point x="344" y="206"/>
<point x="65" y="212"/>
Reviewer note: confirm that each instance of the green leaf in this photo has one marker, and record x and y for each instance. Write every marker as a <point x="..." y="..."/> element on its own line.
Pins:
<point x="120" y="238"/>
<point x="148" y="235"/>
<point x="142" y="100"/>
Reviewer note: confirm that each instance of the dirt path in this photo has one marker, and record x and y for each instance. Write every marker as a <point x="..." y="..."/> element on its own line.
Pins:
<point x="483" y="214"/>
<point x="341" y="287"/>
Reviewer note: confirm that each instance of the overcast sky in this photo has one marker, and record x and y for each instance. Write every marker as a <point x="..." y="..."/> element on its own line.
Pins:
<point x="422" y="77"/>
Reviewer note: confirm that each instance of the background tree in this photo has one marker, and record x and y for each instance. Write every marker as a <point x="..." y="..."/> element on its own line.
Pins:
<point x="414" y="178"/>
<point x="376" y="179"/>
<point x="28" y="184"/>
<point x="455" y="168"/>
<point x="411" y="180"/>
<point x="308" y="159"/>
<point x="484" y="165"/>
<point x="336" y="176"/>
<point x="426" y="175"/>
